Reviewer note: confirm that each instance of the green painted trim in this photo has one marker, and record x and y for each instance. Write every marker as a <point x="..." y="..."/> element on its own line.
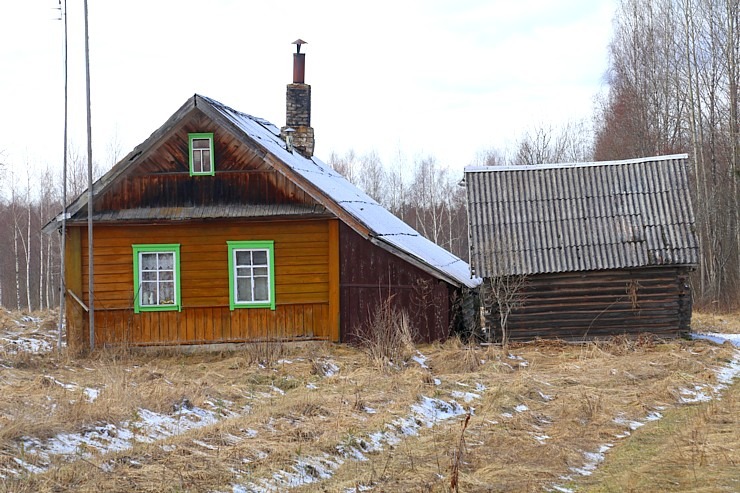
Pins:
<point x="160" y="248"/>
<point x="251" y="245"/>
<point x="208" y="136"/>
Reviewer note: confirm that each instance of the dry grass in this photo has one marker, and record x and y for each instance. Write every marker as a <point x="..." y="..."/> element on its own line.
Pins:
<point x="535" y="410"/>
<point x="389" y="339"/>
<point x="692" y="449"/>
<point x="725" y="323"/>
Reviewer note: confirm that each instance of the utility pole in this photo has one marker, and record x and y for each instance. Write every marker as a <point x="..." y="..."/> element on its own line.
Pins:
<point x="91" y="270"/>
<point x="63" y="247"/>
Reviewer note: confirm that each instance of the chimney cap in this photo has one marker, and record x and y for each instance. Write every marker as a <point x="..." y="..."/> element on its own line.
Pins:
<point x="298" y="42"/>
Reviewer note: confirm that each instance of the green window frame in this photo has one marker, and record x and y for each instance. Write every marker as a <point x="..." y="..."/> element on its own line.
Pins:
<point x="251" y="274"/>
<point x="200" y="152"/>
<point x="157" y="277"/>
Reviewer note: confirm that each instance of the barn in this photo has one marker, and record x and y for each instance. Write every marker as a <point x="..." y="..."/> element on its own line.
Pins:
<point x="223" y="228"/>
<point x="587" y="250"/>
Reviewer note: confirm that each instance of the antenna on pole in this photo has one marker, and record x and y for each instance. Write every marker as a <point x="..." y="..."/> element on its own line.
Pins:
<point x="91" y="270"/>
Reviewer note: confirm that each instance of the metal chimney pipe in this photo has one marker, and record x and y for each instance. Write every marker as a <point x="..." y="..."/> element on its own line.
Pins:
<point x="299" y="68"/>
<point x="299" y="63"/>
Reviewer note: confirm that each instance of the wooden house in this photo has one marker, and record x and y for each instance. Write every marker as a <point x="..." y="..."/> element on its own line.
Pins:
<point x="223" y="228"/>
<point x="592" y="249"/>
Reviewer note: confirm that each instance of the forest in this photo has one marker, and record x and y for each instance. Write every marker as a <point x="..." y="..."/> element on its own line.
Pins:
<point x="672" y="87"/>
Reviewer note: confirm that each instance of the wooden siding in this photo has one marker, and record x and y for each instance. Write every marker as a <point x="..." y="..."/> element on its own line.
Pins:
<point x="593" y="304"/>
<point x="369" y="276"/>
<point x="301" y="279"/>
<point x="162" y="179"/>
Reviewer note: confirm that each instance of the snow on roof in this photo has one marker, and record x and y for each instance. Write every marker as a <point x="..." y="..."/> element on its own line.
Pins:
<point x="382" y="225"/>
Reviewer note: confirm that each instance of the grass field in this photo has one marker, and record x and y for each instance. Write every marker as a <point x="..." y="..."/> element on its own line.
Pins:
<point x="621" y="415"/>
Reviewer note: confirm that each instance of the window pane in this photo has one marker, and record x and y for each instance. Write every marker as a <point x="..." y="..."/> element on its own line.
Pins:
<point x="196" y="161"/>
<point x="148" y="293"/>
<point x="206" y="164"/>
<point x="260" y="271"/>
<point x="243" y="289"/>
<point x="261" y="293"/>
<point x="166" y="261"/>
<point x="148" y="261"/>
<point x="167" y="293"/>
<point x="260" y="257"/>
<point x="148" y="276"/>
<point x="243" y="257"/>
<point x="201" y="143"/>
<point x="166" y="275"/>
<point x="244" y="272"/>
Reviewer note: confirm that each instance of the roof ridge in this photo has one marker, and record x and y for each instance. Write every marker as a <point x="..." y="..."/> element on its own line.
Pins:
<point x="525" y="167"/>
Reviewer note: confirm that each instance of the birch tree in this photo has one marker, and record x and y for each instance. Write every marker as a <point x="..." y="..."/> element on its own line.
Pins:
<point x="674" y="88"/>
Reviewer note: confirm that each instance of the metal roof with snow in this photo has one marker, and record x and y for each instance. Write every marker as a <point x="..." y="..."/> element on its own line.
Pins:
<point x="326" y="186"/>
<point x="552" y="218"/>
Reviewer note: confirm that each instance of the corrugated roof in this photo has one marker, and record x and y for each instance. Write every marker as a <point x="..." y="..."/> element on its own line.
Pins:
<point x="577" y="217"/>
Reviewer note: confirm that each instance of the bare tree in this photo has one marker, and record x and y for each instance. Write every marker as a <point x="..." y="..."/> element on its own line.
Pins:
<point x="490" y="157"/>
<point x="346" y="165"/>
<point x="545" y="144"/>
<point x="674" y="88"/>
<point x="501" y="296"/>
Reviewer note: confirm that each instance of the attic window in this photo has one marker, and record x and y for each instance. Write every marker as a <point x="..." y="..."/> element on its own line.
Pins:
<point x="200" y="150"/>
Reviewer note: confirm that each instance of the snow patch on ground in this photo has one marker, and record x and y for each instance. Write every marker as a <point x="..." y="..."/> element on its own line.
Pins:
<point x="718" y="338"/>
<point x="421" y="359"/>
<point x="465" y="396"/>
<point x="593" y="459"/>
<point x="147" y="427"/>
<point x="725" y="374"/>
<point x="307" y="470"/>
<point x="25" y="344"/>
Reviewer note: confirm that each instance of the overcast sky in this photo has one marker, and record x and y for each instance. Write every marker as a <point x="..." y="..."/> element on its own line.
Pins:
<point x="441" y="78"/>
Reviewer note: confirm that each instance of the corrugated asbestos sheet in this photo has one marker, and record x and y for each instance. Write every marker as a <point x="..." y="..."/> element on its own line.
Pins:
<point x="564" y="218"/>
<point x="210" y="212"/>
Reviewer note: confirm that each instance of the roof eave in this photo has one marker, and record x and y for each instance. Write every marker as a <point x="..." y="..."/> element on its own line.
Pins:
<point x="424" y="266"/>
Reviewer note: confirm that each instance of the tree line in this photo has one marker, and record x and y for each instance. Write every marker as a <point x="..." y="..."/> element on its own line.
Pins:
<point x="673" y="87"/>
<point x="29" y="259"/>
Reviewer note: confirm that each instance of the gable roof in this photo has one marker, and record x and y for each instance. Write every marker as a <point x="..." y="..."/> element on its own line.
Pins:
<point x="576" y="217"/>
<point x="320" y="181"/>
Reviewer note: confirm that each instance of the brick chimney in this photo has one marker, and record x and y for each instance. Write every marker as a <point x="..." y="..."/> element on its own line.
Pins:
<point x="297" y="131"/>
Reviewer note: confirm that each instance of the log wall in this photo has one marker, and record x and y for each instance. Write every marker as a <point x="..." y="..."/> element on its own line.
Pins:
<point x="593" y="304"/>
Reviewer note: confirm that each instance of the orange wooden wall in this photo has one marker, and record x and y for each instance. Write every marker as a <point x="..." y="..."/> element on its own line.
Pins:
<point x="306" y="261"/>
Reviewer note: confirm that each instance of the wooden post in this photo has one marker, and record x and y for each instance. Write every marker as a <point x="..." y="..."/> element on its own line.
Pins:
<point x="334" y="280"/>
<point x="73" y="281"/>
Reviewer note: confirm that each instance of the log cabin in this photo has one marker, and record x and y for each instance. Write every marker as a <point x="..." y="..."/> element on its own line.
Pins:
<point x="223" y="228"/>
<point x="585" y="250"/>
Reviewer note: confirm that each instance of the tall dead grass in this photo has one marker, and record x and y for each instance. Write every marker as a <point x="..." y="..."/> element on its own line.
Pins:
<point x="388" y="338"/>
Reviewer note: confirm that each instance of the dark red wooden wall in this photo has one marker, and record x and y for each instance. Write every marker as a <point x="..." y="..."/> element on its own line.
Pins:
<point x="369" y="275"/>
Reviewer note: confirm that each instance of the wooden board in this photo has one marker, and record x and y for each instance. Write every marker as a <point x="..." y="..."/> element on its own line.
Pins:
<point x="302" y="283"/>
